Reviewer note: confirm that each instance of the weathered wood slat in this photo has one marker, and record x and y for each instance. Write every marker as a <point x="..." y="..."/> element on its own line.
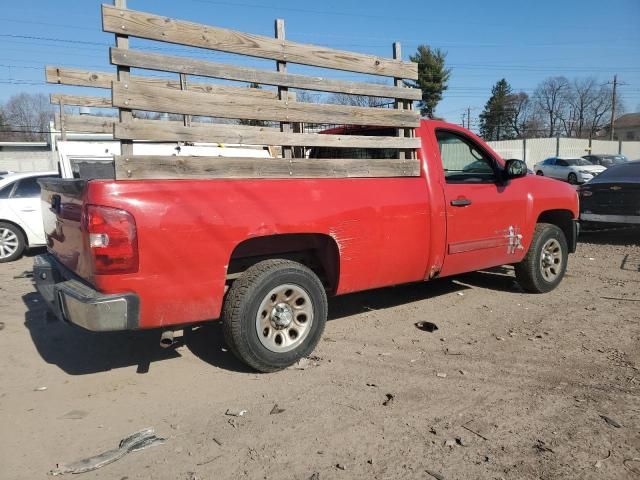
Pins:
<point x="168" y="63"/>
<point x="85" y="78"/>
<point x="155" y="27"/>
<point x="81" y="100"/>
<point x="172" y="167"/>
<point x="143" y="97"/>
<point x="86" y="123"/>
<point x="162" y="131"/>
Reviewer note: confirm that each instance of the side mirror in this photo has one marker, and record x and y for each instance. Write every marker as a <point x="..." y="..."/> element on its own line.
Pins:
<point x="514" y="168"/>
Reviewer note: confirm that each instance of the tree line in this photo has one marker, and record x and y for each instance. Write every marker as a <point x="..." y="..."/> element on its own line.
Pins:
<point x="577" y="108"/>
<point x="25" y="117"/>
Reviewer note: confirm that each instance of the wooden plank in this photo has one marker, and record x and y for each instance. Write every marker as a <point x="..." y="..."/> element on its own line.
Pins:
<point x="163" y="131"/>
<point x="81" y="100"/>
<point x="152" y="167"/>
<point x="142" y="97"/>
<point x="86" y="78"/>
<point x="283" y="92"/>
<point x="86" y="123"/>
<point x="123" y="74"/>
<point x="204" y="68"/>
<point x="82" y="78"/>
<point x="155" y="27"/>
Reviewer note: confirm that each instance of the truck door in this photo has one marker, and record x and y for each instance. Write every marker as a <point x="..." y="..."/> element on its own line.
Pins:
<point x="485" y="217"/>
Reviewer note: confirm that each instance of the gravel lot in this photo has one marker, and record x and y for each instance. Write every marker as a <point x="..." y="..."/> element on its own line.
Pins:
<point x="510" y="385"/>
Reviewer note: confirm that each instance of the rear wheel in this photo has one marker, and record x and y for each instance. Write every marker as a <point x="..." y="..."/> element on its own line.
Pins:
<point x="12" y="242"/>
<point x="573" y="179"/>
<point x="274" y="314"/>
<point x="545" y="263"/>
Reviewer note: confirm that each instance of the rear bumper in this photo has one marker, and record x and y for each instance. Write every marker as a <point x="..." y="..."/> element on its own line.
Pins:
<point x="75" y="302"/>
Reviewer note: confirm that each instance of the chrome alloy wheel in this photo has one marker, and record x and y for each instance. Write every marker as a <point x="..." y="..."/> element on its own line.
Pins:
<point x="8" y="243"/>
<point x="284" y="318"/>
<point x="551" y="260"/>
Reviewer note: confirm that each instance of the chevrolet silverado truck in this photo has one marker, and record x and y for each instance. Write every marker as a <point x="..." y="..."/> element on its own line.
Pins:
<point x="263" y="255"/>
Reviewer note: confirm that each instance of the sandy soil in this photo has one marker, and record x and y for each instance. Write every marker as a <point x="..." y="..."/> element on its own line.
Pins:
<point x="510" y="386"/>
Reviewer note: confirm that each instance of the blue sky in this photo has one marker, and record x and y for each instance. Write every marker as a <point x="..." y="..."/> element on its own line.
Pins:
<point x="522" y="41"/>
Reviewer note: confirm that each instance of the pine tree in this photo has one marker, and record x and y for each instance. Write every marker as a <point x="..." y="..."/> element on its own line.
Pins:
<point x="496" y="119"/>
<point x="432" y="77"/>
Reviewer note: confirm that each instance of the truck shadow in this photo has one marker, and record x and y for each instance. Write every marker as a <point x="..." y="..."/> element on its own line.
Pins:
<point x="80" y="352"/>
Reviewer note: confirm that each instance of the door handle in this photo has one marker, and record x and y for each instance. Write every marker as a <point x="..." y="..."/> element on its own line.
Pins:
<point x="460" y="202"/>
<point x="28" y="210"/>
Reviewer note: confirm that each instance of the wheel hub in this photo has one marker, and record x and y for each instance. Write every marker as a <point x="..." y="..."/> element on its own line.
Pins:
<point x="281" y="316"/>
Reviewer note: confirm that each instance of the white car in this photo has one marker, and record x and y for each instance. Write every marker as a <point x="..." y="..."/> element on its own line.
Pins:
<point x="572" y="170"/>
<point x="20" y="213"/>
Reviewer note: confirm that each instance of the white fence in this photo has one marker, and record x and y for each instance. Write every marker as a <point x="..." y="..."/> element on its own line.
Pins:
<point x="534" y="150"/>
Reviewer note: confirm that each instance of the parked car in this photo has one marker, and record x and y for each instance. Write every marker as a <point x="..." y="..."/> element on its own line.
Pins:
<point x="572" y="170"/>
<point x="263" y="254"/>
<point x="612" y="198"/>
<point x="606" y="160"/>
<point x="20" y="213"/>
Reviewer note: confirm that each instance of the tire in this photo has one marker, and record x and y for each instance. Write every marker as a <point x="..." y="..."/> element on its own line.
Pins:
<point x="274" y="298"/>
<point x="540" y="173"/>
<point x="572" y="179"/>
<point x="545" y="263"/>
<point x="12" y="242"/>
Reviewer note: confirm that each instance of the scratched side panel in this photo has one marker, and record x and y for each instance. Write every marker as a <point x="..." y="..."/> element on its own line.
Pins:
<point x="188" y="229"/>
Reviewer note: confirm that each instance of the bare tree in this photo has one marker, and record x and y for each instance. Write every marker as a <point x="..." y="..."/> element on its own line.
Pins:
<point x="29" y="114"/>
<point x="521" y="113"/>
<point x="359" y="100"/>
<point x="551" y="98"/>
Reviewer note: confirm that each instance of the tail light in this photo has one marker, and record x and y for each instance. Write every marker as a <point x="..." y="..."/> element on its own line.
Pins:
<point x="112" y="239"/>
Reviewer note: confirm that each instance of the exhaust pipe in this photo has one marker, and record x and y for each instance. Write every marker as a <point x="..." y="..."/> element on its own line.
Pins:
<point x="166" y="339"/>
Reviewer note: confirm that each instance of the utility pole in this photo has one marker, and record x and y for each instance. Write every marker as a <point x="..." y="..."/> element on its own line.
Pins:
<point x="468" y="118"/>
<point x="462" y="119"/>
<point x="613" y="106"/>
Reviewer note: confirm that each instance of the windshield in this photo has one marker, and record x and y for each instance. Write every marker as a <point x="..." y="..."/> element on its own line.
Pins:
<point x="614" y="159"/>
<point x="577" y="162"/>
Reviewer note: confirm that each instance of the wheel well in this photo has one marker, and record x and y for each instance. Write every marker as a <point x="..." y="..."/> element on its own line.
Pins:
<point x="24" y="234"/>
<point x="563" y="219"/>
<point x="317" y="251"/>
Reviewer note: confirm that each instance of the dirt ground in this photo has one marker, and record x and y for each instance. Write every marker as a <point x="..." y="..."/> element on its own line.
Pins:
<point x="510" y="386"/>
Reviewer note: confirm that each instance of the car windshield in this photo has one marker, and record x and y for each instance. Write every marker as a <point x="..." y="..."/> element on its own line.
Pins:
<point x="577" y="162"/>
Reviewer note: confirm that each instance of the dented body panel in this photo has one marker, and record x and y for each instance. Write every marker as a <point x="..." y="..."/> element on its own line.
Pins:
<point x="386" y="231"/>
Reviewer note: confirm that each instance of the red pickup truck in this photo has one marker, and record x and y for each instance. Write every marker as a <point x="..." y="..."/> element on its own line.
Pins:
<point x="263" y="255"/>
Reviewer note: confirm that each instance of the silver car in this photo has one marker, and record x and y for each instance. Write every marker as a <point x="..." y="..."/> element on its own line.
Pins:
<point x="572" y="170"/>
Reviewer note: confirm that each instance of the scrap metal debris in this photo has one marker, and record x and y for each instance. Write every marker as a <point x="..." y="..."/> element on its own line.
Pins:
<point x="234" y="412"/>
<point x="610" y="421"/>
<point x="427" y="326"/>
<point x="389" y="400"/>
<point x="134" y="442"/>
<point x="435" y="475"/>
<point x="276" y="410"/>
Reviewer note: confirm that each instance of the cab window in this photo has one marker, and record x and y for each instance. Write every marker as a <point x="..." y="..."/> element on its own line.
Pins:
<point x="463" y="161"/>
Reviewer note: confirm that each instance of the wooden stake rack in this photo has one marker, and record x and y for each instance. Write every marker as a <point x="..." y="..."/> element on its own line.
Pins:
<point x="277" y="106"/>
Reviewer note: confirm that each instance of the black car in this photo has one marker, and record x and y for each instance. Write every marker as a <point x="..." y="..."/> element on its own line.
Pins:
<point x="606" y="159"/>
<point x="612" y="198"/>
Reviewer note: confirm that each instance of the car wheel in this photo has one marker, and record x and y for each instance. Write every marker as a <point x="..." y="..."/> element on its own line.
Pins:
<point x="544" y="265"/>
<point x="274" y="314"/>
<point x="539" y="172"/>
<point x="573" y="179"/>
<point x="12" y="242"/>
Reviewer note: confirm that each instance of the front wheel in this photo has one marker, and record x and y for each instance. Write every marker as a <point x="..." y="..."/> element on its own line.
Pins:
<point x="274" y="314"/>
<point x="540" y="173"/>
<point x="544" y="265"/>
<point x="12" y="242"/>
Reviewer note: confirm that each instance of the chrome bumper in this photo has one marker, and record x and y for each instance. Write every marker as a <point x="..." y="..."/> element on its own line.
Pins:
<point x="77" y="303"/>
